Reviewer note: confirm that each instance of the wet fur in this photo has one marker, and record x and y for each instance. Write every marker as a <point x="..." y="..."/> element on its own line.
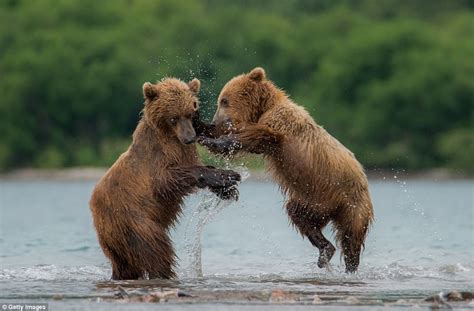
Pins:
<point x="139" y="199"/>
<point x="321" y="178"/>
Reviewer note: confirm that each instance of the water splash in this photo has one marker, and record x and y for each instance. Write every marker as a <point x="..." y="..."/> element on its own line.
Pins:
<point x="209" y="205"/>
<point x="51" y="272"/>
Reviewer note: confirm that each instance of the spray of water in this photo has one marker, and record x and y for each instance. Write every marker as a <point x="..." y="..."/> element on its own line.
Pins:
<point x="209" y="205"/>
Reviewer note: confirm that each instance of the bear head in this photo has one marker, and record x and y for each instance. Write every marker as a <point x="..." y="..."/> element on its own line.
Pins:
<point x="242" y="100"/>
<point x="170" y="106"/>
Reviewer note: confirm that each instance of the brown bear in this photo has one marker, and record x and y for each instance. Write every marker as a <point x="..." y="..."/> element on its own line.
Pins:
<point x="140" y="197"/>
<point x="322" y="179"/>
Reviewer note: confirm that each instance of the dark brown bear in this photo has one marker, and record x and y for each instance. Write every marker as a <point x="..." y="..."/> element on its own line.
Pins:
<point x="322" y="179"/>
<point x="138" y="200"/>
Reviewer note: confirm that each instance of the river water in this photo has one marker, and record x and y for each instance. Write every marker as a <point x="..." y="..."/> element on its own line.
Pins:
<point x="422" y="243"/>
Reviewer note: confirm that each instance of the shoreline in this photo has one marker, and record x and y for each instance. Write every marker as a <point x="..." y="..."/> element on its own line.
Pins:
<point x="149" y="296"/>
<point x="95" y="173"/>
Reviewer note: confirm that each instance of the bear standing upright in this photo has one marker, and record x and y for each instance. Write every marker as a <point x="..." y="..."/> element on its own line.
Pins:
<point x="322" y="179"/>
<point x="140" y="197"/>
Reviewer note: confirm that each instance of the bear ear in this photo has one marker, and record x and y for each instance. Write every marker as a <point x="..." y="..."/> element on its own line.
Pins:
<point x="194" y="85"/>
<point x="257" y="74"/>
<point x="149" y="91"/>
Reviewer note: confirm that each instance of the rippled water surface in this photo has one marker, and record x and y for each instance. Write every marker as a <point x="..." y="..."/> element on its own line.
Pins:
<point x="421" y="243"/>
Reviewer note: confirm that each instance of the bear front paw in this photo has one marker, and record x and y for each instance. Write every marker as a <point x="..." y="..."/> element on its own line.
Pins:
<point x="218" y="178"/>
<point x="230" y="193"/>
<point x="224" y="144"/>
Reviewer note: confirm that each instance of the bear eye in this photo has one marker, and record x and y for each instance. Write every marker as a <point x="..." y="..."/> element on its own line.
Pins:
<point x="173" y="121"/>
<point x="224" y="102"/>
<point x="195" y="104"/>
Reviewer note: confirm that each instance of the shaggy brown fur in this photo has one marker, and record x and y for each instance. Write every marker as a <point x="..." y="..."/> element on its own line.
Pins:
<point x="139" y="198"/>
<point x="322" y="179"/>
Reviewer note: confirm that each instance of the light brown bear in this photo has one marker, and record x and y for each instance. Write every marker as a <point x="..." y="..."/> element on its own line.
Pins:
<point x="322" y="179"/>
<point x="140" y="197"/>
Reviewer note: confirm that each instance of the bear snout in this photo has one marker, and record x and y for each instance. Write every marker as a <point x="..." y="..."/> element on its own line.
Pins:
<point x="188" y="141"/>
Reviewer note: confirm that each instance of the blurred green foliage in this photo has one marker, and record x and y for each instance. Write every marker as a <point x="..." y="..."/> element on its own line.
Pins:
<point x="392" y="79"/>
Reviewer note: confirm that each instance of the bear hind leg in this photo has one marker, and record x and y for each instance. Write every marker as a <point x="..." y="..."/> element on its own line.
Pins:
<point x="153" y="251"/>
<point x="326" y="249"/>
<point x="309" y="224"/>
<point x="162" y="267"/>
<point x="146" y="254"/>
<point x="351" y="247"/>
<point x="352" y="225"/>
<point x="121" y="269"/>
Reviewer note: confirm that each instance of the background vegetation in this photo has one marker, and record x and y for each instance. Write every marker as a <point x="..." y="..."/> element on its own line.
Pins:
<point x="391" y="79"/>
